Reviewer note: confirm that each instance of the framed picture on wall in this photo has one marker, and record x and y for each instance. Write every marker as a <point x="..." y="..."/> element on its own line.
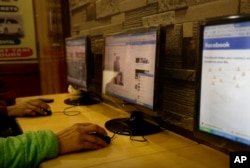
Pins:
<point x="17" y="30"/>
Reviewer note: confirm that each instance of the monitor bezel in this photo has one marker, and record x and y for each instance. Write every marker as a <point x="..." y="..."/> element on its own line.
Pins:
<point x="223" y="144"/>
<point x="88" y="61"/>
<point x="160" y="44"/>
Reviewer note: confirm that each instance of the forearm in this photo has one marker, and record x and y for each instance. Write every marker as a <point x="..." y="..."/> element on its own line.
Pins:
<point x="7" y="93"/>
<point x="3" y="109"/>
<point x="28" y="150"/>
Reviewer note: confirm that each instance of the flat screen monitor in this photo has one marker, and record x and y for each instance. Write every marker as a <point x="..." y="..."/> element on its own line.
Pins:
<point x="130" y="75"/>
<point x="79" y="69"/>
<point x="223" y="83"/>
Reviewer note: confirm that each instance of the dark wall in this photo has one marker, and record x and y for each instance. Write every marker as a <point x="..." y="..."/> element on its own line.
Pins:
<point x="22" y="77"/>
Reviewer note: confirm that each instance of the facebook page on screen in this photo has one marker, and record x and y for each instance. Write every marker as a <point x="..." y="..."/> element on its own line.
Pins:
<point x="225" y="85"/>
<point x="130" y="67"/>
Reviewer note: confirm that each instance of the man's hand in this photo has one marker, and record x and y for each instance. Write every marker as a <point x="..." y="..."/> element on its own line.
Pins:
<point x="28" y="108"/>
<point x="78" y="137"/>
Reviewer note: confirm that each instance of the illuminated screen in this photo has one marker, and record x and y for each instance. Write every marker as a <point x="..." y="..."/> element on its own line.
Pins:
<point x="224" y="108"/>
<point x="129" y="67"/>
<point x="80" y="70"/>
<point x="76" y="61"/>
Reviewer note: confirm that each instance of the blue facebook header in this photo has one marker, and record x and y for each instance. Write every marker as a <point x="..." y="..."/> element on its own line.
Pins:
<point x="232" y="43"/>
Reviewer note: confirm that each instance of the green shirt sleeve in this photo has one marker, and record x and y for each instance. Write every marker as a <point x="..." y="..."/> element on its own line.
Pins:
<point x="28" y="150"/>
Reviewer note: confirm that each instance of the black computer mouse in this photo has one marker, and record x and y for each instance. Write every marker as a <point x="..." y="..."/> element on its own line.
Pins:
<point x="46" y="100"/>
<point x="48" y="113"/>
<point x="107" y="139"/>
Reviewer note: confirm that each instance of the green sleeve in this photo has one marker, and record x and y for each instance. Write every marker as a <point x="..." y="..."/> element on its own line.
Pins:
<point x="28" y="150"/>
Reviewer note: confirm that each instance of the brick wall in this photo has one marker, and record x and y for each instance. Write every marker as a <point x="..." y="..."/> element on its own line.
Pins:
<point x="180" y="17"/>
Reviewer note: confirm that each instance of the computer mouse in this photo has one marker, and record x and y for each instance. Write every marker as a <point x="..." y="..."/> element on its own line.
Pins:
<point x="107" y="139"/>
<point x="46" y="100"/>
<point x="48" y="113"/>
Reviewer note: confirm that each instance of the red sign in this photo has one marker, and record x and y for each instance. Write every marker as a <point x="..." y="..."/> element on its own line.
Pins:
<point x="15" y="52"/>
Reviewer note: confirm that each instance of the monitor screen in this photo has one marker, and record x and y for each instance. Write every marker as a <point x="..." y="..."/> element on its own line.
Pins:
<point x="76" y="61"/>
<point x="79" y="68"/>
<point x="224" y="83"/>
<point x="130" y="65"/>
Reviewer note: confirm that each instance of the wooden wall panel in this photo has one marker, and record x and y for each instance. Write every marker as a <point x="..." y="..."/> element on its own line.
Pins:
<point x="50" y="38"/>
<point x="24" y="78"/>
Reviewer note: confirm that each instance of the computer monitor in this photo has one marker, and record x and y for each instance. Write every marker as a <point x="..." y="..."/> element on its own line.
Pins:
<point x="79" y="69"/>
<point x="223" y="83"/>
<point x="130" y="74"/>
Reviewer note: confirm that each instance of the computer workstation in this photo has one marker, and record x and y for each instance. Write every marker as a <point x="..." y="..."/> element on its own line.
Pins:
<point x="217" y="122"/>
<point x="134" y="85"/>
<point x="221" y="116"/>
<point x="222" y="107"/>
<point x="130" y="78"/>
<point x="162" y="149"/>
<point x="80" y="70"/>
<point x="130" y="75"/>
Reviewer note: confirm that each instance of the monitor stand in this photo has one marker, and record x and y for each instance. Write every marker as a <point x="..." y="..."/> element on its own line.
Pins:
<point x="135" y="125"/>
<point x="83" y="99"/>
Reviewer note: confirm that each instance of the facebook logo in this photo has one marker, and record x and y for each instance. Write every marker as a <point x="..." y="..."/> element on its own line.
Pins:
<point x="240" y="160"/>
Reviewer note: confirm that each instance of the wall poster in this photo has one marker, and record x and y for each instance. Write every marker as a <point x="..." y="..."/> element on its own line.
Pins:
<point x="17" y="30"/>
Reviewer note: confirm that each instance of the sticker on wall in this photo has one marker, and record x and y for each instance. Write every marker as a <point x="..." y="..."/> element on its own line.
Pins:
<point x="17" y="30"/>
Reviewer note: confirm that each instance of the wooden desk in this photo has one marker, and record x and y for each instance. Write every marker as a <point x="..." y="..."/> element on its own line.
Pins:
<point x="165" y="149"/>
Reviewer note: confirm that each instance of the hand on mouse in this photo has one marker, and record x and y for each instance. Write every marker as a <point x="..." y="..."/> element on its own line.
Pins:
<point x="78" y="137"/>
<point x="28" y="108"/>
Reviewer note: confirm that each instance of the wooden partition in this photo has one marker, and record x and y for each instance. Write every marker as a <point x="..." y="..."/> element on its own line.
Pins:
<point x="50" y="39"/>
<point x="23" y="77"/>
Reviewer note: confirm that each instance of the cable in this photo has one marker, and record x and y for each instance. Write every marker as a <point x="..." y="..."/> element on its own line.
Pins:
<point x="69" y="113"/>
<point x="138" y="140"/>
<point x="131" y="137"/>
<point x="77" y="112"/>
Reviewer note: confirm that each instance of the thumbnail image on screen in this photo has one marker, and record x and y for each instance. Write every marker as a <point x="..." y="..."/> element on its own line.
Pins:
<point x="224" y="108"/>
<point x="129" y="67"/>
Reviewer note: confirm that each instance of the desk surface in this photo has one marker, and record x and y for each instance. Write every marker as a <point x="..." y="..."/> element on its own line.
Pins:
<point x="164" y="149"/>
